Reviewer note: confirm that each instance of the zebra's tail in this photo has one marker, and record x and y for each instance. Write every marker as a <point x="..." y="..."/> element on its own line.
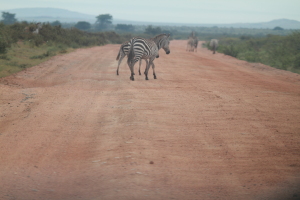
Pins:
<point x="121" y="49"/>
<point x="118" y="56"/>
<point x="131" y="54"/>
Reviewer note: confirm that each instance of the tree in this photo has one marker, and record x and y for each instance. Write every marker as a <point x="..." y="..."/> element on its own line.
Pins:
<point x="8" y="18"/>
<point x="124" y="27"/>
<point x="278" y="28"/>
<point x="103" y="21"/>
<point x="82" y="25"/>
<point x="56" y="23"/>
<point x="153" y="31"/>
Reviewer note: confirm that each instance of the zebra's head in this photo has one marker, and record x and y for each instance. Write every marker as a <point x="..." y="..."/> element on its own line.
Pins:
<point x="165" y="43"/>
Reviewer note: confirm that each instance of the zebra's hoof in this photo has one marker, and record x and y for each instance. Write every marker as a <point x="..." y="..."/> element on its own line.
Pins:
<point x="154" y="77"/>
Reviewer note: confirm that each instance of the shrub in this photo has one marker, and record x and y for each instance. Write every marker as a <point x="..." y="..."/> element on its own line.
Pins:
<point x="282" y="52"/>
<point x="230" y="50"/>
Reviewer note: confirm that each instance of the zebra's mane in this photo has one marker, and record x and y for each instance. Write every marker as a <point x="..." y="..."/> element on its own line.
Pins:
<point x="159" y="36"/>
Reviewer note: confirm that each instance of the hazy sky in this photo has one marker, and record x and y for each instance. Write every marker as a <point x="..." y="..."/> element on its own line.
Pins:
<point x="181" y="11"/>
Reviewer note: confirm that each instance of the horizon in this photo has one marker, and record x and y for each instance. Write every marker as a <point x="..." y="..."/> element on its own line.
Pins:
<point x="194" y="12"/>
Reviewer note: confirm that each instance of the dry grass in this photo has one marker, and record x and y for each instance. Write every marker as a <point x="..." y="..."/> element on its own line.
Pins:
<point x="23" y="55"/>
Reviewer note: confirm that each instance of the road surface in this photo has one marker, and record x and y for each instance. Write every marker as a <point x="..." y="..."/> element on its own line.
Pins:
<point x="209" y="127"/>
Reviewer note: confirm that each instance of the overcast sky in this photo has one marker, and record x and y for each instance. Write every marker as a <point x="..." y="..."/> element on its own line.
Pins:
<point x="180" y="11"/>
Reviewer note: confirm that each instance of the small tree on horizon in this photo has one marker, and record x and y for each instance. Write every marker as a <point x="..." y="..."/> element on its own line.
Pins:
<point x="278" y="28"/>
<point x="82" y="25"/>
<point x="103" y="21"/>
<point x="8" y="18"/>
<point x="124" y="27"/>
<point x="56" y="23"/>
<point x="153" y="31"/>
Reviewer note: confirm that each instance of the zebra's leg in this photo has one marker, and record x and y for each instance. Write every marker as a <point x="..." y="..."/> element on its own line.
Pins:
<point x="132" y="73"/>
<point x="146" y="66"/>
<point x="140" y="66"/>
<point x="153" y="66"/>
<point x="132" y="69"/>
<point x="146" y="70"/>
<point x="120" y="60"/>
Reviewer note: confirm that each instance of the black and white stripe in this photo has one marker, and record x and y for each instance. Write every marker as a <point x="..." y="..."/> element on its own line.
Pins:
<point x="146" y="49"/>
<point x="124" y="49"/>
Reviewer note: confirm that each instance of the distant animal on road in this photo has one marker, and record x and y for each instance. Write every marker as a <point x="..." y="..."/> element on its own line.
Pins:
<point x="190" y="44"/>
<point x="214" y="45"/>
<point x="195" y="43"/>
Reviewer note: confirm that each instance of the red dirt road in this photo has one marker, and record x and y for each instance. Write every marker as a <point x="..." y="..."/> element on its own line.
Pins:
<point x="210" y="127"/>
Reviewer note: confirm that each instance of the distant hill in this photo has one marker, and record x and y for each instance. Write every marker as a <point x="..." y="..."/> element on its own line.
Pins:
<point x="63" y="15"/>
<point x="50" y="15"/>
<point x="283" y="23"/>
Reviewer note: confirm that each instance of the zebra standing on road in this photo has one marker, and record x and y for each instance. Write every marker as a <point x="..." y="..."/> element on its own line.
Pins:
<point x="147" y="49"/>
<point x="124" y="49"/>
<point x="190" y="44"/>
<point x="196" y="43"/>
<point x="214" y="45"/>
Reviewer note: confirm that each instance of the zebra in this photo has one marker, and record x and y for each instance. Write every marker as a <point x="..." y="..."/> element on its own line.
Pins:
<point x="124" y="52"/>
<point x="214" y="45"/>
<point x="196" y="43"/>
<point x="33" y="28"/>
<point x="190" y="44"/>
<point x="39" y="26"/>
<point x="146" y="49"/>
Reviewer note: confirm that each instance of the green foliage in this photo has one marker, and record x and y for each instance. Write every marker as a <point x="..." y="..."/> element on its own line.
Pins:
<point x="103" y="21"/>
<point x="230" y="50"/>
<point x="8" y="18"/>
<point x="278" y="28"/>
<point x="82" y="25"/>
<point x="124" y="27"/>
<point x="3" y="45"/>
<point x="153" y="31"/>
<point x="20" y="48"/>
<point x="282" y="52"/>
<point x="56" y="23"/>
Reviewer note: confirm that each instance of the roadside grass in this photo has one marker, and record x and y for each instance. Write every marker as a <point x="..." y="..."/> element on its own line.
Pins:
<point x="36" y="48"/>
<point x="281" y="52"/>
<point x="23" y="55"/>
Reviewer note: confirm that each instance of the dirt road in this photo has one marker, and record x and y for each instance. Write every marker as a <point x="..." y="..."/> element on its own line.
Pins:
<point x="210" y="127"/>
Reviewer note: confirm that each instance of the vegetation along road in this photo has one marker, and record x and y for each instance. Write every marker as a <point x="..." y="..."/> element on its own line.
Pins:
<point x="209" y="127"/>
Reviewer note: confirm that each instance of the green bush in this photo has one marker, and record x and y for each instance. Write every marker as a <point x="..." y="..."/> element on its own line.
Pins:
<point x="53" y="35"/>
<point x="230" y="50"/>
<point x="282" y="52"/>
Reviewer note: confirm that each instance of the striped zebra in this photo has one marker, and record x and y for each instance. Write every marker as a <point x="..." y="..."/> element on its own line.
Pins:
<point x="190" y="44"/>
<point x="146" y="49"/>
<point x="124" y="49"/>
